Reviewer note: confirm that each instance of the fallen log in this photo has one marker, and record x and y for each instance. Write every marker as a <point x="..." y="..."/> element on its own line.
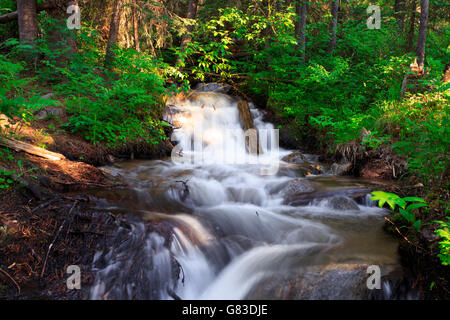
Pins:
<point x="8" y="17"/>
<point x="245" y="115"/>
<point x="29" y="148"/>
<point x="251" y="139"/>
<point x="44" y="6"/>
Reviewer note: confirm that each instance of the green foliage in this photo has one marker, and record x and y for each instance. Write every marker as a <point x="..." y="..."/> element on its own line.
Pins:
<point x="405" y="209"/>
<point x="444" y="244"/>
<point x="17" y="95"/>
<point x="332" y="97"/>
<point x="422" y="133"/>
<point x="5" y="154"/>
<point x="114" y="107"/>
<point x="6" y="180"/>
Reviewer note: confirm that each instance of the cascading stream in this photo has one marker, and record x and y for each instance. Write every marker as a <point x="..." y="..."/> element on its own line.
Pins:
<point x="222" y="228"/>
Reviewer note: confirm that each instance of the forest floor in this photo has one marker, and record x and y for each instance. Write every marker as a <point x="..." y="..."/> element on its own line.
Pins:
<point x="47" y="226"/>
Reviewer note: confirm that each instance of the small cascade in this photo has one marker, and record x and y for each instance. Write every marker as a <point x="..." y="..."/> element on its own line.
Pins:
<point x="225" y="229"/>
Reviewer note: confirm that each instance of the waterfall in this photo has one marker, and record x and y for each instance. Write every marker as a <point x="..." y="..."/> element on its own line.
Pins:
<point x="225" y="227"/>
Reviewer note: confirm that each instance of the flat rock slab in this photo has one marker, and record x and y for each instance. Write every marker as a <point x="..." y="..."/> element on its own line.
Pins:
<point x="304" y="199"/>
<point x="330" y="282"/>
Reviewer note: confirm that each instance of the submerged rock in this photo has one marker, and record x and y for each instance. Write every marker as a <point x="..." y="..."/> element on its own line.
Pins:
<point x="342" y="203"/>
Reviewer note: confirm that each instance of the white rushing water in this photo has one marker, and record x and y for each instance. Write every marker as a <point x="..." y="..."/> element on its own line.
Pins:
<point x="230" y="225"/>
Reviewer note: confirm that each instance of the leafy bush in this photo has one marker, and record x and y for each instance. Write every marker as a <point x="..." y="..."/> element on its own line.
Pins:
<point x="114" y="107"/>
<point x="6" y="181"/>
<point x="405" y="210"/>
<point x="444" y="244"/>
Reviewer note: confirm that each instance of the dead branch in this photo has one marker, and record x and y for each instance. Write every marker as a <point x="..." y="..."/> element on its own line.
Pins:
<point x="12" y="279"/>
<point x="405" y="238"/>
<point x="56" y="236"/>
<point x="44" y="6"/>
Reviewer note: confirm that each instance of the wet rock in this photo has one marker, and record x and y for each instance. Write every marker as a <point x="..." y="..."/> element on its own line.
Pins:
<point x="297" y="187"/>
<point x="341" y="169"/>
<point x="295" y="157"/>
<point x="429" y="235"/>
<point x="174" y="115"/>
<point x="331" y="282"/>
<point x="305" y="199"/>
<point x="309" y="169"/>
<point x="213" y="87"/>
<point x="342" y="203"/>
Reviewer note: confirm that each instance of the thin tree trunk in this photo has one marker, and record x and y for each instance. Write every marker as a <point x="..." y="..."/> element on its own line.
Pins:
<point x="135" y="29"/>
<point x="27" y="18"/>
<point x="333" y="25"/>
<point x="300" y="26"/>
<point x="399" y="9"/>
<point x="412" y="23"/>
<point x="113" y="33"/>
<point x="422" y="32"/>
<point x="191" y="14"/>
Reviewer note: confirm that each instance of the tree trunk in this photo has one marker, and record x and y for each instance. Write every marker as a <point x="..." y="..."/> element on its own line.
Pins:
<point x="412" y="22"/>
<point x="399" y="9"/>
<point x="27" y="16"/>
<point x="333" y="25"/>
<point x="300" y="26"/>
<point x="191" y="14"/>
<point x="113" y="33"/>
<point x="422" y="32"/>
<point x="136" y="29"/>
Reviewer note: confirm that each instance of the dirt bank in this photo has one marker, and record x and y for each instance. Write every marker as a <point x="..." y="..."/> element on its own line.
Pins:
<point x="44" y="228"/>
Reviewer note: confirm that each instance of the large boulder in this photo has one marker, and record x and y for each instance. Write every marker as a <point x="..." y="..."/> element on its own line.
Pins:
<point x="330" y="282"/>
<point x="342" y="203"/>
<point x="297" y="187"/>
